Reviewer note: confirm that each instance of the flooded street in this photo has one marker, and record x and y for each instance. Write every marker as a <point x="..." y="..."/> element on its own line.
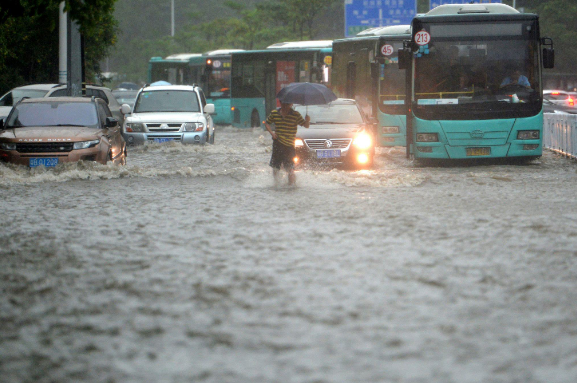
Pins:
<point x="190" y="265"/>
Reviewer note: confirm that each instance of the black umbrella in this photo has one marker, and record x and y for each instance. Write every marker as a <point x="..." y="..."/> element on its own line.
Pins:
<point x="306" y="93"/>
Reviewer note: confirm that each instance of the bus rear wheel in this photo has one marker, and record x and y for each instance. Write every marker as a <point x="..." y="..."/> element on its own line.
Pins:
<point x="255" y="119"/>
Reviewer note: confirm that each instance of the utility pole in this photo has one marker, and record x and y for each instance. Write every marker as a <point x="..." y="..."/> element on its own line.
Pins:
<point x="172" y="18"/>
<point x="62" y="45"/>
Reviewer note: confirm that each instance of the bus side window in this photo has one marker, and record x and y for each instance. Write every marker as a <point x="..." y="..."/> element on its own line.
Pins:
<point x="351" y="80"/>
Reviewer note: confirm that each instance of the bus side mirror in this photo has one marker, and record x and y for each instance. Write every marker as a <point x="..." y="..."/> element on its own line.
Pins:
<point x="404" y="58"/>
<point x="548" y="58"/>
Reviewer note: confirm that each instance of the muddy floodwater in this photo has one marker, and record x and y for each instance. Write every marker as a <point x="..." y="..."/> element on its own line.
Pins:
<point x="190" y="265"/>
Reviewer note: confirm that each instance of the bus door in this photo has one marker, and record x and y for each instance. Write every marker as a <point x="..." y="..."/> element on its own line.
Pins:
<point x="285" y="74"/>
<point x="351" y="80"/>
<point x="269" y="89"/>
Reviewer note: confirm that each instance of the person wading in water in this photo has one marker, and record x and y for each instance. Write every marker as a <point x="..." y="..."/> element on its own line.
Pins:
<point x="285" y="120"/>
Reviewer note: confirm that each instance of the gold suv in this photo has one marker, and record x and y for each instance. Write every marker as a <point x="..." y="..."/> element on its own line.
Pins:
<point x="49" y="131"/>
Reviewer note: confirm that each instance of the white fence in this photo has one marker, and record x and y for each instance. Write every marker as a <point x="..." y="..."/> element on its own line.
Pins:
<point x="560" y="133"/>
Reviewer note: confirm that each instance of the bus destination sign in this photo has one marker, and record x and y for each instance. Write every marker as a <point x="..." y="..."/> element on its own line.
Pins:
<point x="364" y="14"/>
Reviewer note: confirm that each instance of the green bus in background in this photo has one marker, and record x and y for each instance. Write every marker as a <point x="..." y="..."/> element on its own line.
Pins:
<point x="474" y="83"/>
<point x="366" y="68"/>
<point x="258" y="75"/>
<point x="211" y="71"/>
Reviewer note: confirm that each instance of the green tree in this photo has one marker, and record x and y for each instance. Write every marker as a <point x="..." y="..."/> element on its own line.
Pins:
<point x="29" y="38"/>
<point x="304" y="13"/>
<point x="557" y="21"/>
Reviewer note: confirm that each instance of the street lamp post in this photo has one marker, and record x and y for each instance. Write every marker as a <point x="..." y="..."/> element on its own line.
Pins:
<point x="172" y="18"/>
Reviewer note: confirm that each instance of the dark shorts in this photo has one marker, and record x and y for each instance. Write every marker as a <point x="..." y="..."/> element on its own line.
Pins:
<point x="282" y="155"/>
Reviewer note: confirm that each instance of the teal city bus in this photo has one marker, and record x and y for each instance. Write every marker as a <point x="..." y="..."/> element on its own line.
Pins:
<point x="366" y="68"/>
<point x="474" y="83"/>
<point x="210" y="70"/>
<point x="258" y="75"/>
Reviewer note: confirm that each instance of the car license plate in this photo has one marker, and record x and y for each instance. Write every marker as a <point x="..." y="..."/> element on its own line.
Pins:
<point x="163" y="139"/>
<point x="48" y="162"/>
<point x="331" y="153"/>
<point x="478" y="151"/>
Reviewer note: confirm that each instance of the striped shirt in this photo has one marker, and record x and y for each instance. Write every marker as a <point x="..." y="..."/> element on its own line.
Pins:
<point x="286" y="127"/>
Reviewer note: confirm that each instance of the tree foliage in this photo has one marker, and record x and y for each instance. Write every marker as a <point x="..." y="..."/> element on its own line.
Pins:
<point x="557" y="21"/>
<point x="248" y="26"/>
<point x="29" y="38"/>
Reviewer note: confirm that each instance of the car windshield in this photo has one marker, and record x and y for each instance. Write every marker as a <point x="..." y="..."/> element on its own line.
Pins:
<point x="53" y="114"/>
<point x="167" y="101"/>
<point x="331" y="114"/>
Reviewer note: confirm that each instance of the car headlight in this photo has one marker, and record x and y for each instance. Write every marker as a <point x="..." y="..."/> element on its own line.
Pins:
<point x="134" y="127"/>
<point x="193" y="127"/>
<point x="7" y="146"/>
<point x="85" y="144"/>
<point x="528" y="135"/>
<point x="363" y="141"/>
<point x="298" y="142"/>
<point x="427" y="137"/>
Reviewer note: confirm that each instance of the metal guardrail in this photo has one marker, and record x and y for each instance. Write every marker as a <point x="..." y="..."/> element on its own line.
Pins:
<point x="560" y="133"/>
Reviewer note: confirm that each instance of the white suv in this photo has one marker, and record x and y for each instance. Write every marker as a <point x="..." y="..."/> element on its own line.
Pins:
<point x="169" y="113"/>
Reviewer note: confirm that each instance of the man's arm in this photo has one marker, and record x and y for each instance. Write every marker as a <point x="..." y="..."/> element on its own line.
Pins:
<point x="272" y="133"/>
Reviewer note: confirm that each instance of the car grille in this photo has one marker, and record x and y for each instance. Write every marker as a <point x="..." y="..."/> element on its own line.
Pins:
<point x="157" y="128"/>
<point x="51" y="147"/>
<point x="338" y="143"/>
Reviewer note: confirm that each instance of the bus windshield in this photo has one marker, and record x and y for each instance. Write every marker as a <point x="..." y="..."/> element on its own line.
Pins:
<point x="392" y="83"/>
<point x="458" y="72"/>
<point x="219" y="79"/>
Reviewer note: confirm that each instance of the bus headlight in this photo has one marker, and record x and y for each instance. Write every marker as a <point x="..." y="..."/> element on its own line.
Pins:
<point x="528" y="135"/>
<point x="427" y="137"/>
<point x="363" y="141"/>
<point x="298" y="142"/>
<point x="134" y="127"/>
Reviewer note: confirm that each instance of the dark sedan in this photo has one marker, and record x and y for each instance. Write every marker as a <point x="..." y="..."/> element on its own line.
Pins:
<point x="338" y="134"/>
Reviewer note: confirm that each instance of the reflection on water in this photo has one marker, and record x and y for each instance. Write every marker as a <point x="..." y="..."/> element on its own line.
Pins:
<point x="190" y="265"/>
<point x="237" y="153"/>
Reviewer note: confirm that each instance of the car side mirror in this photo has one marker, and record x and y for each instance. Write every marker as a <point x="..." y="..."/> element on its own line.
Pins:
<point x="125" y="109"/>
<point x="111" y="122"/>
<point x="1" y="124"/>
<point x="209" y="108"/>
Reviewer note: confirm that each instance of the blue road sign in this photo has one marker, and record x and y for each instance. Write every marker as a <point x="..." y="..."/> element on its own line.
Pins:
<point x="436" y="3"/>
<point x="364" y="14"/>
